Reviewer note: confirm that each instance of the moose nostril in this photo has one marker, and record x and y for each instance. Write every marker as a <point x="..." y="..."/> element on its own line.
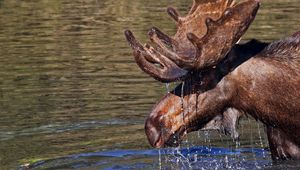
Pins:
<point x="153" y="133"/>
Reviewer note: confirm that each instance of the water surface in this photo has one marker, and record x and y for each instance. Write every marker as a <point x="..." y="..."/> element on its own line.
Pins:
<point x="69" y="84"/>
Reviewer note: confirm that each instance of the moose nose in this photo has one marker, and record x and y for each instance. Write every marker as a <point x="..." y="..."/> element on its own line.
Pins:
<point x="153" y="132"/>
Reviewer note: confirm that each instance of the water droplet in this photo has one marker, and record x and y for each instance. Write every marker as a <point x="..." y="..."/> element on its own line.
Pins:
<point x="168" y="87"/>
<point x="159" y="159"/>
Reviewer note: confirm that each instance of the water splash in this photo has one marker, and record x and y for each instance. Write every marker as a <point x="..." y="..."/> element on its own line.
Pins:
<point x="219" y="158"/>
<point x="182" y="97"/>
<point x="159" y="159"/>
<point x="179" y="160"/>
<point x="260" y="138"/>
<point x="168" y="87"/>
<point x="226" y="162"/>
<point x="252" y="146"/>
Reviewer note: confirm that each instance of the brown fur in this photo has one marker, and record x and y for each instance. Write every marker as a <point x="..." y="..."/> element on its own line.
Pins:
<point x="219" y="75"/>
<point x="264" y="86"/>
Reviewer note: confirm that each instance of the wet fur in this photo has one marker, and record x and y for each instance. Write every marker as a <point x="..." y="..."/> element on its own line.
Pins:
<point x="267" y="87"/>
<point x="197" y="82"/>
<point x="251" y="79"/>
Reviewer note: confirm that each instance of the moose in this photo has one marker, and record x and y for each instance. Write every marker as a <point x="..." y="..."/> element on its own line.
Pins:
<point x="221" y="80"/>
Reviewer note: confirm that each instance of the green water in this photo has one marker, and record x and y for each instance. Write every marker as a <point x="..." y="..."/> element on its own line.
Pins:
<point x="69" y="84"/>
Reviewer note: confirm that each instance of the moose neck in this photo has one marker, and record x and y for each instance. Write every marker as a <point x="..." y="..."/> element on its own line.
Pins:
<point x="239" y="54"/>
<point x="204" y="80"/>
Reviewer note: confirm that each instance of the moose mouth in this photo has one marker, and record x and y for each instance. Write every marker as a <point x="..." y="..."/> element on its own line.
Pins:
<point x="160" y="136"/>
<point x="175" y="139"/>
<point x="167" y="139"/>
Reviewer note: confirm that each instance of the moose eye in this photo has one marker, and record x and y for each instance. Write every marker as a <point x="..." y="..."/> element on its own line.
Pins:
<point x="228" y="12"/>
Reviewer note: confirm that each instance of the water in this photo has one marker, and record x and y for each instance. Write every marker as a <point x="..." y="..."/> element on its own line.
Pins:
<point x="69" y="85"/>
<point x="144" y="159"/>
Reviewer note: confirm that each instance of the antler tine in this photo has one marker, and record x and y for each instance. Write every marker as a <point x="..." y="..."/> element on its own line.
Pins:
<point x="174" y="14"/>
<point x="229" y="28"/>
<point x="197" y="3"/>
<point x="195" y="20"/>
<point x="223" y="4"/>
<point x="146" y="57"/>
<point x="156" y="37"/>
<point x="163" y="37"/>
<point x="219" y="24"/>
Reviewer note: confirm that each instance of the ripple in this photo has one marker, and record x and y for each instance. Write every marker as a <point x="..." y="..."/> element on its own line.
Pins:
<point x="195" y="157"/>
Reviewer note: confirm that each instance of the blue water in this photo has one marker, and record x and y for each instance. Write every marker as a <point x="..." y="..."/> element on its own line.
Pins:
<point x="197" y="157"/>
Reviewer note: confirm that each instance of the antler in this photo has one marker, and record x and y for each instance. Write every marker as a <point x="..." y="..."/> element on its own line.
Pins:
<point x="203" y="38"/>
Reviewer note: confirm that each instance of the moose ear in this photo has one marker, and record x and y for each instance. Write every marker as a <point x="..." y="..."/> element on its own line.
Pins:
<point x="203" y="38"/>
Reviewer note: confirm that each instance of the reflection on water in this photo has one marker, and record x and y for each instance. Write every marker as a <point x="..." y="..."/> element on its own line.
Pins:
<point x="69" y="85"/>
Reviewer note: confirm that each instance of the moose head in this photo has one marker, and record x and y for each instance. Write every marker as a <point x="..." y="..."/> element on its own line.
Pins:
<point x="193" y="55"/>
